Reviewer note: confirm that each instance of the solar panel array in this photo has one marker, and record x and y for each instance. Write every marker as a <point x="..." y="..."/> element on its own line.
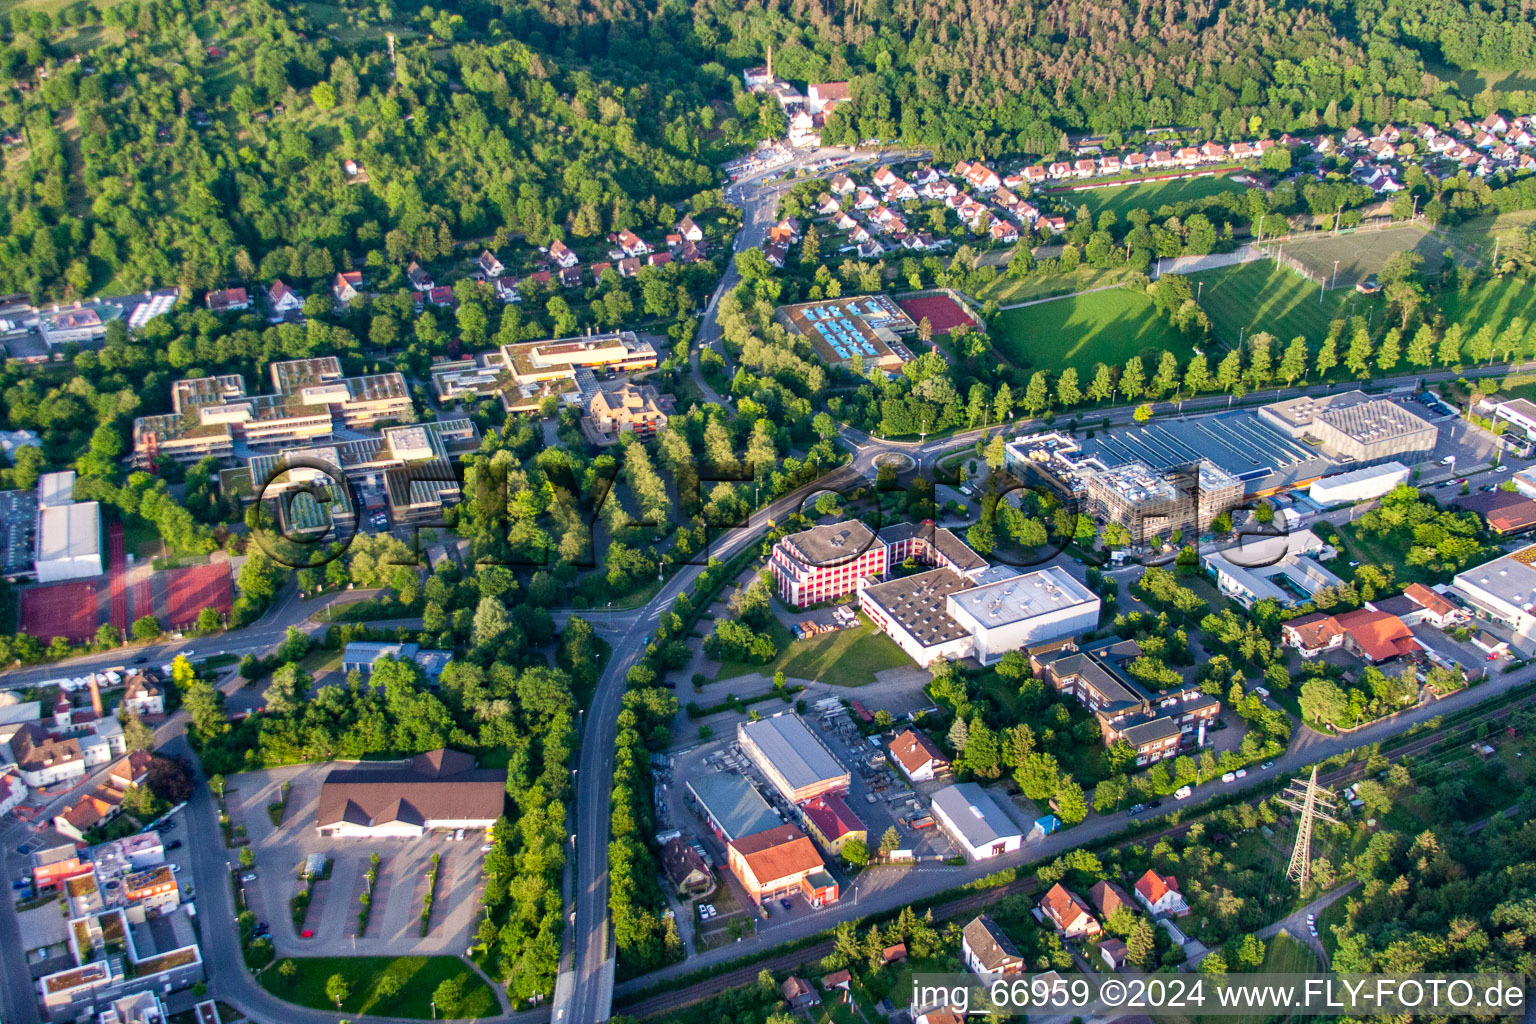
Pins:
<point x="840" y="333"/>
<point x="1237" y="442"/>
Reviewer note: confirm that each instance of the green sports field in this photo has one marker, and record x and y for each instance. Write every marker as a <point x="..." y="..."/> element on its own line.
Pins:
<point x="1361" y="254"/>
<point x="1148" y="195"/>
<point x="1496" y="303"/>
<point x="1083" y="330"/>
<point x="1263" y="296"/>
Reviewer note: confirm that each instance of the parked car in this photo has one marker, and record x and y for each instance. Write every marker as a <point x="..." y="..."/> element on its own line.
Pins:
<point x="1229" y="777"/>
<point x="785" y="904"/>
<point x="1183" y="793"/>
<point x="1241" y="773"/>
<point x="174" y="844"/>
<point x="249" y="876"/>
<point x="1136" y="809"/>
<point x="1266" y="766"/>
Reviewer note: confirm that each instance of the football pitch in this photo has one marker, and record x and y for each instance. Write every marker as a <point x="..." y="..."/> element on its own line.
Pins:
<point x="1084" y="330"/>
<point x="1361" y="254"/>
<point x="1263" y="296"/>
<point x="1149" y="195"/>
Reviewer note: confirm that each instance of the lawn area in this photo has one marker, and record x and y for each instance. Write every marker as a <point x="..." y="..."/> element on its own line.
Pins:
<point x="1008" y="290"/>
<point x="1495" y="303"/>
<point x="847" y="657"/>
<point x="1473" y="239"/>
<point x="419" y="977"/>
<point x="1148" y="195"/>
<point x="1285" y="955"/>
<point x="1083" y="330"/>
<point x="1264" y="296"/>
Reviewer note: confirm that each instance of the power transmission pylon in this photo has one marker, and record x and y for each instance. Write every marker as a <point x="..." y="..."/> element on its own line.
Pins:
<point x="1311" y="803"/>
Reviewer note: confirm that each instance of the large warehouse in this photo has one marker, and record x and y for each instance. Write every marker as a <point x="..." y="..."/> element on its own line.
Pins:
<point x="68" y="532"/>
<point x="974" y="820"/>
<point x="1355" y="427"/>
<point x="797" y="763"/>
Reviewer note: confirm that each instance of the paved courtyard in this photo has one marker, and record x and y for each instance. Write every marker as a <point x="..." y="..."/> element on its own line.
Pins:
<point x="394" y="925"/>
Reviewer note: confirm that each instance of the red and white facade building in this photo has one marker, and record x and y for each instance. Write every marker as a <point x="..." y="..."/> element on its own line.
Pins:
<point x="826" y="562"/>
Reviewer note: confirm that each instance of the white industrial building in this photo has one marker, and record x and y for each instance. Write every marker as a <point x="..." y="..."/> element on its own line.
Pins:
<point x="69" y="543"/>
<point x="970" y="817"/>
<point x="1358" y="485"/>
<point x="1024" y="611"/>
<point x="1503" y="591"/>
<point x="942" y="614"/>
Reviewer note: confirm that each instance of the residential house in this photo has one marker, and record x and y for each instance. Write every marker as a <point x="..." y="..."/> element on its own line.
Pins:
<point x="884" y="177"/>
<point x="1160" y="894"/>
<point x="142" y="695"/>
<point x="829" y="818"/>
<point x="86" y="813"/>
<point x="1376" y="636"/>
<point x="1213" y="151"/>
<point x="130" y="770"/>
<point x="986" y="949"/>
<point x="1067" y="912"/>
<point x="283" y="300"/>
<point x="1113" y="953"/>
<point x="1034" y="175"/>
<point x="685" y="869"/>
<point x="1381" y="149"/>
<point x="842" y="185"/>
<point x="1354" y="137"/>
<point x="785" y="231"/>
<point x="632" y="244"/>
<point x="1083" y="168"/>
<point x="826" y="206"/>
<point x="1417" y="603"/>
<point x="774" y="253"/>
<point x="1107" y="897"/>
<point x="870" y="249"/>
<point x="799" y="994"/>
<point x="658" y="259"/>
<point x="918" y="757"/>
<point x="13" y="792"/>
<point x="489" y="265"/>
<point x="982" y="178"/>
<point x="690" y="231"/>
<point x="864" y="200"/>
<point x="562" y="255"/>
<point x="633" y="408"/>
<point x="1495" y="123"/>
<point x="42" y="759"/>
<point x="629" y="267"/>
<point x="600" y="267"/>
<point x="1109" y="165"/>
<point x="440" y="296"/>
<point x="1004" y="231"/>
<point x="1159" y="158"/>
<point x="228" y="300"/>
<point x="344" y="288"/>
<point x="1187" y="156"/>
<point x="570" y="277"/>
<point x="837" y="981"/>
<point x="1058" y="225"/>
<point x="1244" y="151"/>
<point x="1312" y="634"/>
<point x="1136" y="162"/>
<point x="420" y="280"/>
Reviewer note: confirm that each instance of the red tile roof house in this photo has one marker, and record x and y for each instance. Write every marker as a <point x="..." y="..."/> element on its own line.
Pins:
<point x="1068" y="913"/>
<point x="228" y="301"/>
<point x="1376" y="636"/>
<point x="344" y="287"/>
<point x="1160" y="894"/>
<point x="442" y="295"/>
<point x="917" y="756"/>
<point x="1312" y="634"/>
<point x="1107" y="897"/>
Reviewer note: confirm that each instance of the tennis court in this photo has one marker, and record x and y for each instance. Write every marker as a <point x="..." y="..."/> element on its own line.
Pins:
<point x="189" y="591"/>
<point x="60" y="609"/>
<point x="943" y="313"/>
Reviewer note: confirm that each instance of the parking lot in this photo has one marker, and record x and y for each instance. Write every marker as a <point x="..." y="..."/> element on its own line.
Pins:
<point x="332" y="920"/>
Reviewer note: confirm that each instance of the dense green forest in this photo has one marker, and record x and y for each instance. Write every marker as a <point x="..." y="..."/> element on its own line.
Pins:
<point x="170" y="143"/>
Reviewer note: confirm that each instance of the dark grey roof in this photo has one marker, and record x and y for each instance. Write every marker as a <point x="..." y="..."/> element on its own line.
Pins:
<point x="733" y="804"/>
<point x="918" y="603"/>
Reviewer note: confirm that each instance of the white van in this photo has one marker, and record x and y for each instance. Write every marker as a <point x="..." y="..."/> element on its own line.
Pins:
<point x="1183" y="793"/>
<point x="1229" y="777"/>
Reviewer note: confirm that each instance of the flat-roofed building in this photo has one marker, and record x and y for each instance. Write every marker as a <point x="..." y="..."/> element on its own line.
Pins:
<point x="69" y="541"/>
<point x="560" y="358"/>
<point x="1503" y="591"/>
<point x="867" y="328"/>
<point x="795" y="761"/>
<point x="1359" y="484"/>
<point x="1355" y="427"/>
<point x="1283" y="569"/>
<point x="637" y="409"/>
<point x="731" y="805"/>
<point x="826" y="562"/>
<point x="974" y="820"/>
<point x="1024" y="611"/>
<point x="312" y="397"/>
<point x="913" y="611"/>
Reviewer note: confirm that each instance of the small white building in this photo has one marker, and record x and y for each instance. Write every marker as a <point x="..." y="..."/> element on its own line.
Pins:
<point x="1358" y="485"/>
<point x="975" y="822"/>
